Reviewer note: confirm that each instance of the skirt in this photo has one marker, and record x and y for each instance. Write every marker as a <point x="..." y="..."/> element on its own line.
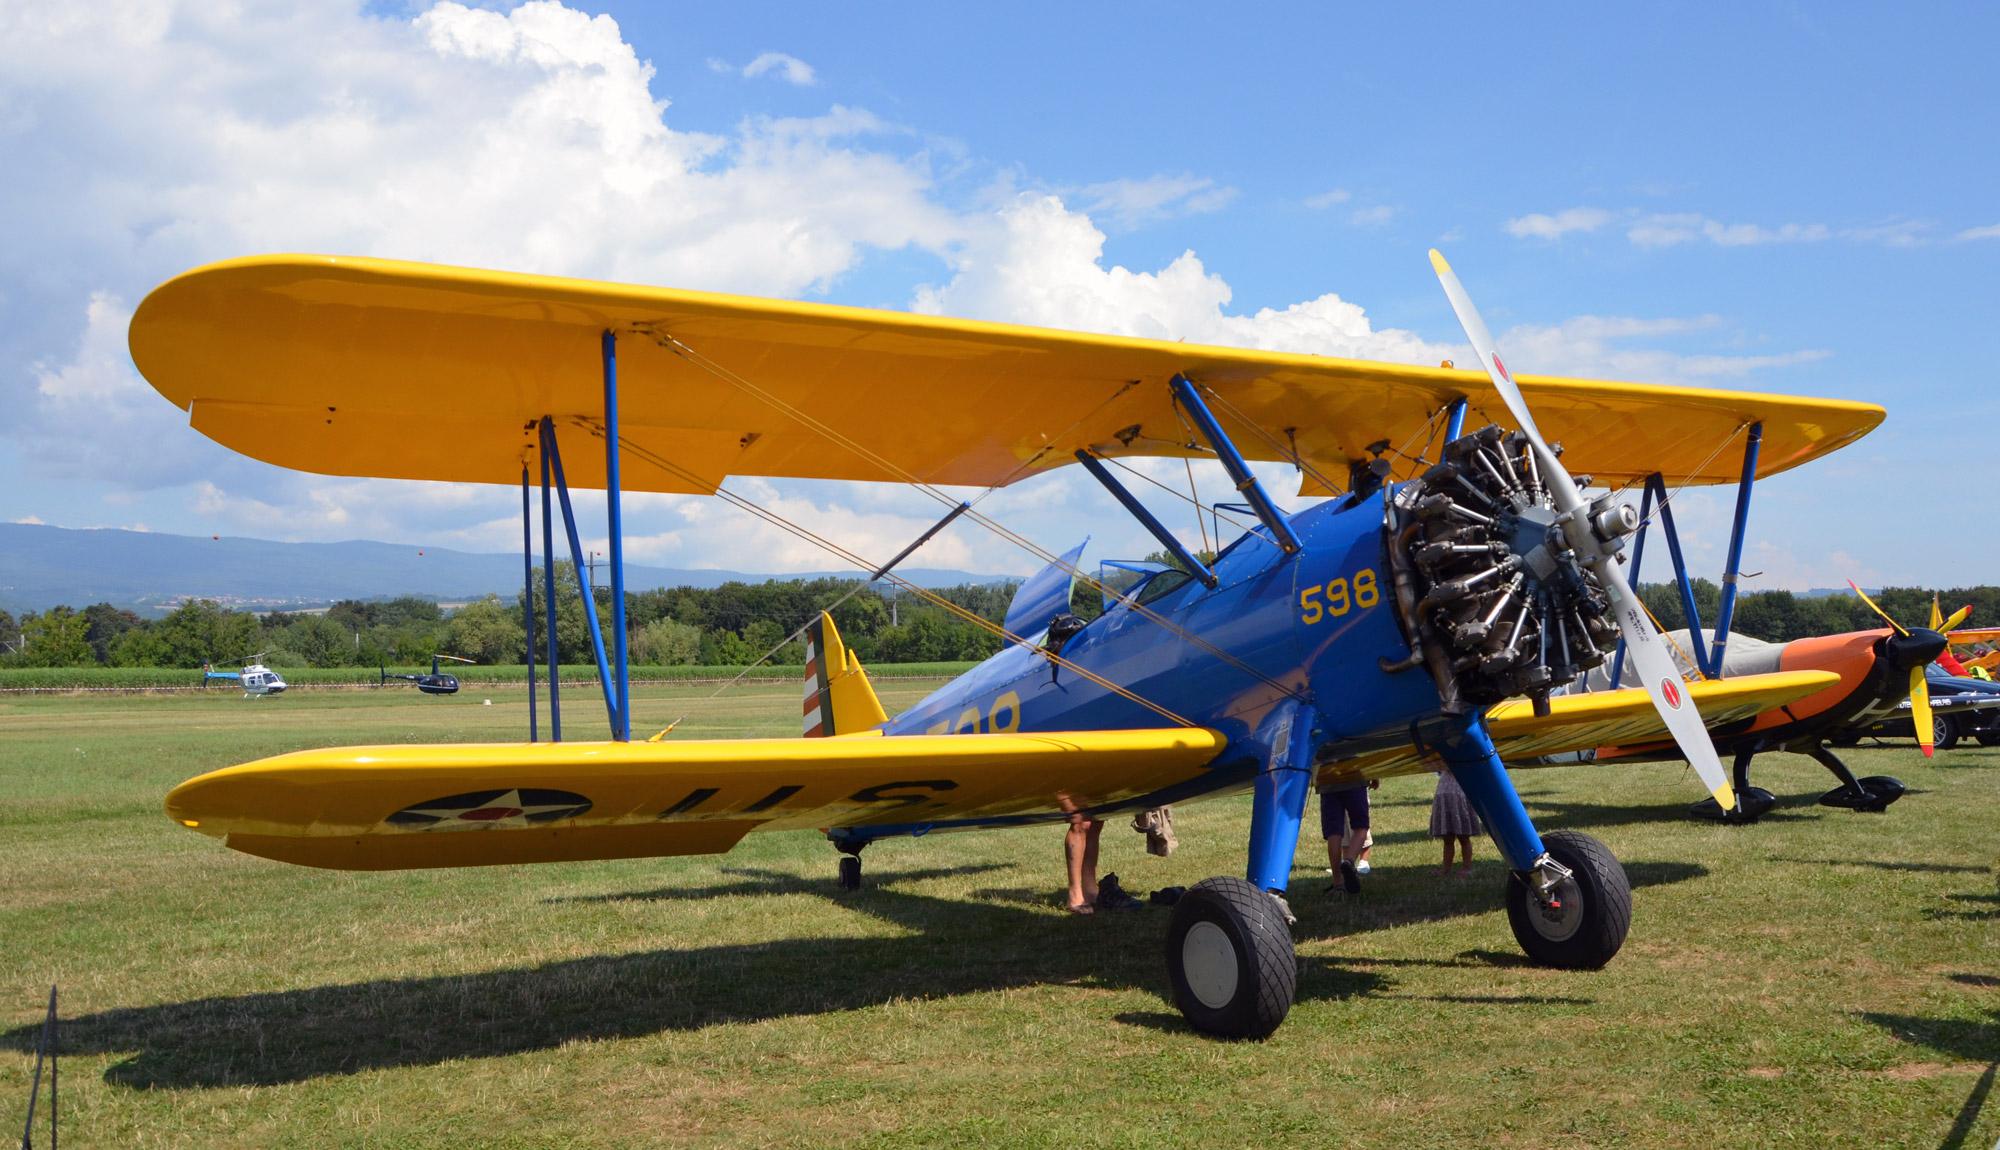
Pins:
<point x="1451" y="811"/>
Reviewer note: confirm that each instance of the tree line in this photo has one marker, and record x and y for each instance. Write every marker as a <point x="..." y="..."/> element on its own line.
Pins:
<point x="731" y="625"/>
<point x="734" y="624"/>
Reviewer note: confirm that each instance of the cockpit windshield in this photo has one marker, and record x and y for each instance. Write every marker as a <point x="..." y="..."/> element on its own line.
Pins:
<point x="1137" y="580"/>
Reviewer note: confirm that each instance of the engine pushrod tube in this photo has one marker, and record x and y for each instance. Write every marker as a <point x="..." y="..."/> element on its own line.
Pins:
<point x="1232" y="462"/>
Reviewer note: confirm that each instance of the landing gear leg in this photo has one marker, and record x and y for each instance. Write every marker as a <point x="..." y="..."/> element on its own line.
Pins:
<point x="1873" y="793"/>
<point x="1568" y="900"/>
<point x="1751" y="802"/>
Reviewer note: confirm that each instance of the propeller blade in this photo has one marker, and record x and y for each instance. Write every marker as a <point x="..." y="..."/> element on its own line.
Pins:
<point x="1920" y="709"/>
<point x="1954" y="619"/>
<point x="1648" y="653"/>
<point x="1937" y="616"/>
<point x="1662" y="677"/>
<point x="1875" y="607"/>
<point x="1484" y="348"/>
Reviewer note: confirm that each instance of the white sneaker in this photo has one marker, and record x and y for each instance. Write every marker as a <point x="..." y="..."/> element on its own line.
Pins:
<point x="1361" y="866"/>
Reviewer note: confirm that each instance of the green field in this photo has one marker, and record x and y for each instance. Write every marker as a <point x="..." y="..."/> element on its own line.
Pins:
<point x="1822" y="979"/>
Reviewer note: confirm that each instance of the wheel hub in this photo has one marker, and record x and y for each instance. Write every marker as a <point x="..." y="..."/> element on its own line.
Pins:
<point x="1208" y="962"/>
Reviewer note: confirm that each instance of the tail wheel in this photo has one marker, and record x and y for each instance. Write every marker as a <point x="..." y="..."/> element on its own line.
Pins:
<point x="1584" y="924"/>
<point x="1844" y="738"/>
<point x="1231" y="960"/>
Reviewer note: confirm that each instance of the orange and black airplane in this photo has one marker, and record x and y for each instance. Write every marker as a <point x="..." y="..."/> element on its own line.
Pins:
<point x="1878" y="670"/>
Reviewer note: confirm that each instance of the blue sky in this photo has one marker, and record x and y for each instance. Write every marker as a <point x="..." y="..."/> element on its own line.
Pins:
<point x="1789" y="198"/>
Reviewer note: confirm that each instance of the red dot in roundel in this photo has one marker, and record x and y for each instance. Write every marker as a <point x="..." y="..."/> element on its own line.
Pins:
<point x="1672" y="692"/>
<point x="490" y="814"/>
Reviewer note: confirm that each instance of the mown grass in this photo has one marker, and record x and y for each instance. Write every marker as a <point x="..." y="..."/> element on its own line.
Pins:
<point x="1824" y="978"/>
<point x="140" y="678"/>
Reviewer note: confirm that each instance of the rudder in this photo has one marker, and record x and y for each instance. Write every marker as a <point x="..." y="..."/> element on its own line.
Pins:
<point x="838" y="697"/>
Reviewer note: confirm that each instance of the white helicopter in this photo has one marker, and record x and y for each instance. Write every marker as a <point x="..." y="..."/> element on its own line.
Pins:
<point x="255" y="678"/>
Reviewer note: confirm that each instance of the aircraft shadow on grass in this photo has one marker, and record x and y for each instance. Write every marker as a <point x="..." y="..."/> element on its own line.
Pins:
<point x="963" y="947"/>
<point x="1963" y="1039"/>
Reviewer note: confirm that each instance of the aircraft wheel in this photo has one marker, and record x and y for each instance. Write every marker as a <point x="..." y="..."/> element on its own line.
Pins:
<point x="1231" y="960"/>
<point x="1751" y="805"/>
<point x="850" y="872"/>
<point x="1594" y="907"/>
<point x="1944" y="732"/>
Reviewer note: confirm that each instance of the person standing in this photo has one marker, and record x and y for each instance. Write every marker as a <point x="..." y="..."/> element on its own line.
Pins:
<point x="1454" y="821"/>
<point x="1343" y="823"/>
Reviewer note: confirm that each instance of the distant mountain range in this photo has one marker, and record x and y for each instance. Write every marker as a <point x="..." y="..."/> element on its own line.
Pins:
<point x="150" y="572"/>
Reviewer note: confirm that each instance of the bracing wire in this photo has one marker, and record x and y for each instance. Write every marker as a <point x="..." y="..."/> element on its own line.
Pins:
<point x="806" y="534"/>
<point x="1006" y="533"/>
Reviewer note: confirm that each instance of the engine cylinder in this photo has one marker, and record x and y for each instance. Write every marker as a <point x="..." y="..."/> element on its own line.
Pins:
<point x="1499" y="601"/>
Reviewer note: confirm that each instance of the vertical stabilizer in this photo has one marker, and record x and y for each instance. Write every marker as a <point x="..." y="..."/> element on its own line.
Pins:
<point x="838" y="697"/>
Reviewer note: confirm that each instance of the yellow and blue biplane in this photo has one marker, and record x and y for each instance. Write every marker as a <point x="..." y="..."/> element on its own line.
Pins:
<point x="1441" y="580"/>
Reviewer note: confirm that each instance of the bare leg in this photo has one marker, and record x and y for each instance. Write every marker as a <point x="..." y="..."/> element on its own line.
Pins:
<point x="1445" y="866"/>
<point x="1092" y="829"/>
<point x="1465" y="848"/>
<point x="1076" y="844"/>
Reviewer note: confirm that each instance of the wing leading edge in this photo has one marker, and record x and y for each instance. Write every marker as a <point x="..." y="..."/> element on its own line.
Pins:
<point x="319" y="363"/>
<point x="394" y="807"/>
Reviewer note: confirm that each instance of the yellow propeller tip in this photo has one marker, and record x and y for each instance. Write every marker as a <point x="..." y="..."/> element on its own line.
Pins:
<point x="1725" y="796"/>
<point x="1437" y="262"/>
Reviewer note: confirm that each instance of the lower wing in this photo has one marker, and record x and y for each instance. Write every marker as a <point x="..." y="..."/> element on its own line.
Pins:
<point x="391" y="807"/>
<point x="1596" y="719"/>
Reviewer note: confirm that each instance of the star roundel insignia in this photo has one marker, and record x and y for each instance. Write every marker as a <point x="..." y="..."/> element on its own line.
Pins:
<point x="520" y="806"/>
<point x="1671" y="691"/>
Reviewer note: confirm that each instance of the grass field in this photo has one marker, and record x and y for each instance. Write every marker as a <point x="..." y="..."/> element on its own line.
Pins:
<point x="1822" y="979"/>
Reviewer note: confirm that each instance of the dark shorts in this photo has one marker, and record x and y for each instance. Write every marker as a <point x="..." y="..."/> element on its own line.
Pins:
<point x="1351" y="802"/>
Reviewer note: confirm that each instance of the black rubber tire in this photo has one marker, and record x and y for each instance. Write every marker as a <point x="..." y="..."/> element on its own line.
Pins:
<point x="850" y="872"/>
<point x="1944" y="732"/>
<point x="1844" y="738"/>
<point x="1988" y="738"/>
<point x="1603" y="896"/>
<point x="1259" y="943"/>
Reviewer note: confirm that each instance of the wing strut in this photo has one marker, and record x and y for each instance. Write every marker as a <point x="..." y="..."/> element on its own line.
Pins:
<point x="1146" y="518"/>
<point x="1232" y="462"/>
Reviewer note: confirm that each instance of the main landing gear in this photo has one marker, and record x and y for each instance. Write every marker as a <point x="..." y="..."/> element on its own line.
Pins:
<point x="1235" y="972"/>
<point x="1231" y="959"/>
<point x="1751" y="802"/>
<point x="1873" y="793"/>
<point x="1573" y="909"/>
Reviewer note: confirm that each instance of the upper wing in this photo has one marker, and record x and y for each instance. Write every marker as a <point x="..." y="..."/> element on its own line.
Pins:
<point x="324" y="363"/>
<point x="377" y="808"/>
<point x="1598" y="719"/>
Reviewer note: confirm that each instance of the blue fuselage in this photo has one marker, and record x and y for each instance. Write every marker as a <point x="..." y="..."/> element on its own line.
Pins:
<point x="1311" y="627"/>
